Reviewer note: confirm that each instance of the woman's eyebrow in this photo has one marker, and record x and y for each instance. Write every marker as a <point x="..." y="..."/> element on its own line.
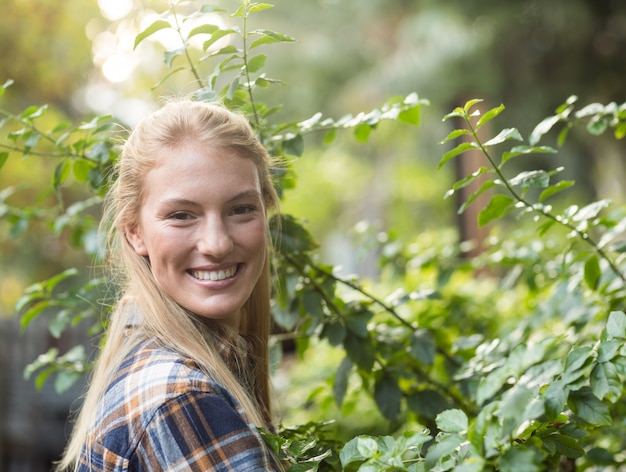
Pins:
<point x="245" y="194"/>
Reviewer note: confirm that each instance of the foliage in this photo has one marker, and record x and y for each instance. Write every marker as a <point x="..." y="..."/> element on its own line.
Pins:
<point x="463" y="386"/>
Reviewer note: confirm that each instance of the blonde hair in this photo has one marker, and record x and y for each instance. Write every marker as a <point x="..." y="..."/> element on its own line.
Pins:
<point x="155" y="138"/>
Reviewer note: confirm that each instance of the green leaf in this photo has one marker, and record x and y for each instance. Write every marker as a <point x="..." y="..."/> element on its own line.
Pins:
<point x="498" y="207"/>
<point x="294" y="146"/>
<point x="589" y="408"/>
<point x="605" y="382"/>
<point x="489" y="115"/>
<point x="340" y="384"/>
<point x="64" y="380"/>
<point x="360" y="351"/>
<point x="542" y="128"/>
<point x="5" y="86"/>
<point x="351" y="451"/>
<point x="410" y="116"/>
<point x="388" y="395"/>
<point x="525" y="150"/>
<point x="256" y="63"/>
<point x="169" y="56"/>
<point x="330" y="136"/>
<point x="520" y="459"/>
<point x="459" y="149"/>
<point x="555" y="399"/>
<point x="269" y="37"/>
<point x="452" y="421"/>
<point x="4" y="156"/>
<point x="531" y="179"/>
<point x="592" y="272"/>
<point x="470" y="103"/>
<point x="423" y="346"/>
<point x="504" y="135"/>
<point x="256" y="7"/>
<point x="158" y="25"/>
<point x="61" y="173"/>
<point x="203" y="29"/>
<point x="597" y="126"/>
<point x="219" y="34"/>
<point x="565" y="445"/>
<point x="362" y="132"/>
<point x="616" y="325"/>
<point x="554" y="189"/>
<point x="455" y="134"/>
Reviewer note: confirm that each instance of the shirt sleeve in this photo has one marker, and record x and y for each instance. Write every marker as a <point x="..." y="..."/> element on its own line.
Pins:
<point x="199" y="431"/>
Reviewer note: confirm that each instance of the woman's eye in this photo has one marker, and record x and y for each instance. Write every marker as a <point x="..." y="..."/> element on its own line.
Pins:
<point x="179" y="216"/>
<point x="244" y="209"/>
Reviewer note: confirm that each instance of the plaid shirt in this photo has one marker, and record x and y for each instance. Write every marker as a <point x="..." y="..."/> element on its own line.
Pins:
<point x="162" y="413"/>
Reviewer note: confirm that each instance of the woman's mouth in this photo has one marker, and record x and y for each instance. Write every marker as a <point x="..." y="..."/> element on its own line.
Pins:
<point x="214" y="275"/>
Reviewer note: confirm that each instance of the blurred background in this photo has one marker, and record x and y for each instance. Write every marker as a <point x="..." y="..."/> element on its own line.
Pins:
<point x="350" y="56"/>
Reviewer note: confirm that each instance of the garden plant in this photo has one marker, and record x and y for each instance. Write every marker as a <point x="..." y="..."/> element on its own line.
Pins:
<point x="510" y="360"/>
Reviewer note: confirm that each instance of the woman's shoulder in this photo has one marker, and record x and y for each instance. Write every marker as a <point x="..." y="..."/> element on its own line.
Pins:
<point x="156" y="372"/>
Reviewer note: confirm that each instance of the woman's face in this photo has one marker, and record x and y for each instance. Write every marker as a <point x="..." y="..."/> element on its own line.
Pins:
<point x="202" y="225"/>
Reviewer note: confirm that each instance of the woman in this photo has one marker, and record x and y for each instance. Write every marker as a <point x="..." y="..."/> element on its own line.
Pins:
<point x="182" y="380"/>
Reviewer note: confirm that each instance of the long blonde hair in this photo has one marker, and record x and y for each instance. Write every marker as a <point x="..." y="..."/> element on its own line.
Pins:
<point x="155" y="138"/>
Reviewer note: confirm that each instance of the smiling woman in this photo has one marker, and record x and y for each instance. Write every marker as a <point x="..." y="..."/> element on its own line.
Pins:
<point x="182" y="379"/>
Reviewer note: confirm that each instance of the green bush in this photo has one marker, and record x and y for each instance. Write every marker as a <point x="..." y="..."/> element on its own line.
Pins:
<point x="512" y="360"/>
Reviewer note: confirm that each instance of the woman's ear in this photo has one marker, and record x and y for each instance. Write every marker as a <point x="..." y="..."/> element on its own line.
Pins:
<point x="133" y="236"/>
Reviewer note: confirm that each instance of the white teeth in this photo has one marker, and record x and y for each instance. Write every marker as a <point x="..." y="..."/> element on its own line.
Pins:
<point x="214" y="275"/>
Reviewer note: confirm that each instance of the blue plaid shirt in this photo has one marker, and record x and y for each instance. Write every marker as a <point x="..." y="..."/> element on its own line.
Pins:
<point x="162" y="413"/>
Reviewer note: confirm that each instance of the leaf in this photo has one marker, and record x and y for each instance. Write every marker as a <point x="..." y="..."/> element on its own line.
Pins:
<point x="340" y="384"/>
<point x="256" y="63"/>
<point x="592" y="272"/>
<point x="565" y="445"/>
<point x="483" y="188"/>
<point x="269" y="37"/>
<point x="498" y="207"/>
<point x="362" y="132"/>
<point x="489" y="115"/>
<point x="455" y="134"/>
<point x="4" y="156"/>
<point x="542" y="128"/>
<point x="219" y="34"/>
<point x="591" y="211"/>
<point x="531" y="179"/>
<point x="555" y="399"/>
<point x="423" y="346"/>
<point x="294" y="146"/>
<point x="520" y="459"/>
<point x="203" y="29"/>
<point x="525" y="150"/>
<point x="616" y="325"/>
<point x="61" y="173"/>
<point x="597" y="126"/>
<point x="459" y="149"/>
<point x="388" y="395"/>
<point x="410" y="116"/>
<point x="554" y="189"/>
<point x="470" y="103"/>
<point x="351" y="451"/>
<point x="256" y="7"/>
<point x="504" y="135"/>
<point x="64" y="380"/>
<point x="169" y="56"/>
<point x="360" y="351"/>
<point x="589" y="408"/>
<point x="605" y="382"/>
<point x="150" y="30"/>
<point x="452" y="421"/>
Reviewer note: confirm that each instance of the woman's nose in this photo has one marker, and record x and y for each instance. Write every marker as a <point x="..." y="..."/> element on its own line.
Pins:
<point x="215" y="239"/>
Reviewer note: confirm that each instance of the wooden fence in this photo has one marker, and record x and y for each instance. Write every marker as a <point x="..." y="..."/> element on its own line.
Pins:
<point x="34" y="424"/>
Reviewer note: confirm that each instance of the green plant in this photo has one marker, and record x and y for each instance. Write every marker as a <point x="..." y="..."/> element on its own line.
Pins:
<point x="462" y="384"/>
